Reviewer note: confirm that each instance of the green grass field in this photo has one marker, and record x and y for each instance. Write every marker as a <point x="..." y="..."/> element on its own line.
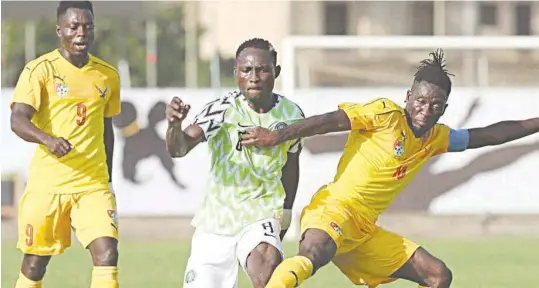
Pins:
<point x="476" y="263"/>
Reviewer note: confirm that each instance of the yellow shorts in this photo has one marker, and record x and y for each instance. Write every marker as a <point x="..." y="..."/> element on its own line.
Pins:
<point x="45" y="220"/>
<point x="366" y="253"/>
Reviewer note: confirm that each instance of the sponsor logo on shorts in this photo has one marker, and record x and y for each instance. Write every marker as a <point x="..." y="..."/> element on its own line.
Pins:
<point x="190" y="277"/>
<point x="336" y="228"/>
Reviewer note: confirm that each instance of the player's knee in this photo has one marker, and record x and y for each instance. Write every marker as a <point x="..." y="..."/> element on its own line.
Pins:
<point x="107" y="257"/>
<point x="34" y="267"/>
<point x="104" y="251"/>
<point x="318" y="246"/>
<point x="315" y="252"/>
<point x="272" y="259"/>
<point x="440" y="276"/>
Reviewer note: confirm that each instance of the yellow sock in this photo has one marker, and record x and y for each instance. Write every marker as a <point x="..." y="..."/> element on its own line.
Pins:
<point x="24" y="282"/>
<point x="105" y="277"/>
<point x="291" y="272"/>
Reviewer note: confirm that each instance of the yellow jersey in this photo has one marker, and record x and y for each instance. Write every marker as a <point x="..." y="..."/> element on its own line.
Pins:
<point x="381" y="156"/>
<point x="70" y="102"/>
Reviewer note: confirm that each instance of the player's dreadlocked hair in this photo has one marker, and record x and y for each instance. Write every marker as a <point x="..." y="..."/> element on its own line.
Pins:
<point x="258" y="43"/>
<point x="64" y="5"/>
<point x="433" y="71"/>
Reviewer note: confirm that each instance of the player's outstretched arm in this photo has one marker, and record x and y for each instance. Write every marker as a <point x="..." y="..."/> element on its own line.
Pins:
<point x="22" y="126"/>
<point x="179" y="142"/>
<point x="502" y="132"/>
<point x="315" y="125"/>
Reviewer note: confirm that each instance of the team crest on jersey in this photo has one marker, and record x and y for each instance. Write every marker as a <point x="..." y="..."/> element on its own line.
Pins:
<point x="280" y="125"/>
<point x="61" y="89"/>
<point x="190" y="277"/>
<point x="102" y="92"/>
<point x="398" y="148"/>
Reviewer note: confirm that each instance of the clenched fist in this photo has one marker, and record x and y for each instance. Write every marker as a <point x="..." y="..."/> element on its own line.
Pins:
<point x="58" y="146"/>
<point x="176" y="111"/>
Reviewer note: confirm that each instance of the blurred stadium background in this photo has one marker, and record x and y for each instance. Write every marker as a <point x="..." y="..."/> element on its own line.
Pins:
<point x="478" y="210"/>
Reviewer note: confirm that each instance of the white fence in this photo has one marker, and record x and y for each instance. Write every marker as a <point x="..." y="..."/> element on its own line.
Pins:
<point x="495" y="179"/>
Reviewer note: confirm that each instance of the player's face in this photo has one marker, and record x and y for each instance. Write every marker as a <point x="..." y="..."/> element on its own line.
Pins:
<point x="76" y="31"/>
<point x="255" y="73"/>
<point x="425" y="104"/>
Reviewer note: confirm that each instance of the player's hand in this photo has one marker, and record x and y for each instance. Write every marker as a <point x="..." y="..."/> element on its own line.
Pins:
<point x="258" y="136"/>
<point x="58" y="146"/>
<point x="176" y="111"/>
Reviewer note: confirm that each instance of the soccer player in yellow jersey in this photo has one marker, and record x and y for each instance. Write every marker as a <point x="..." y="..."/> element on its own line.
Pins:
<point x="64" y="101"/>
<point x="386" y="148"/>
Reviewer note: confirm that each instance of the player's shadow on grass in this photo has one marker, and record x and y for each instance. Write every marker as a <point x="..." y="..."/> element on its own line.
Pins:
<point x="429" y="185"/>
<point x="143" y="143"/>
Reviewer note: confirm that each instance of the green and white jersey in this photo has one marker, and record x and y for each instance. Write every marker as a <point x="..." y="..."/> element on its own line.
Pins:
<point x="244" y="184"/>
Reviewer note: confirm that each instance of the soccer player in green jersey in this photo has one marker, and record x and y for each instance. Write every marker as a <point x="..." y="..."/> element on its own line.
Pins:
<point x="250" y="191"/>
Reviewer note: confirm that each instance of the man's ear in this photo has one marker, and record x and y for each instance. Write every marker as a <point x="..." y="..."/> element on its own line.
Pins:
<point x="408" y="96"/>
<point x="277" y="71"/>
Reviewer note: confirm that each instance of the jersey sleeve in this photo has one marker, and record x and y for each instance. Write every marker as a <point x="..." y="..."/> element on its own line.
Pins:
<point x="211" y="118"/>
<point x="296" y="147"/>
<point x="28" y="88"/>
<point x="113" y="106"/>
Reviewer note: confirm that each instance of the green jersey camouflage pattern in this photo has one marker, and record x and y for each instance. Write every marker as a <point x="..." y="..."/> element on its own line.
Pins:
<point x="244" y="183"/>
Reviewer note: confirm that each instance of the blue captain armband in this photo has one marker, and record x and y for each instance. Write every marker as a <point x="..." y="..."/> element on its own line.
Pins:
<point x="458" y="140"/>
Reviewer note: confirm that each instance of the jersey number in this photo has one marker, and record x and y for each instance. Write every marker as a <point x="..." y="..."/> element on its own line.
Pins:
<point x="81" y="114"/>
<point x="239" y="147"/>
<point x="29" y="241"/>
<point x="400" y="172"/>
<point x="268" y="227"/>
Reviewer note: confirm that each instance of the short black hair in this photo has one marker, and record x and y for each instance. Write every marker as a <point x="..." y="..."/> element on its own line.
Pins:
<point x="433" y="71"/>
<point x="258" y="43"/>
<point x="64" y="5"/>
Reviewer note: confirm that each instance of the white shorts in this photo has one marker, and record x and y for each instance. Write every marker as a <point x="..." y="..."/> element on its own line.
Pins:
<point x="214" y="259"/>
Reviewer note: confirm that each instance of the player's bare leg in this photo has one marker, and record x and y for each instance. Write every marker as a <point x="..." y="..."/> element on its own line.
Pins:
<point x="32" y="271"/>
<point x="104" y="251"/>
<point x="105" y="257"/>
<point x="318" y="246"/>
<point x="425" y="270"/>
<point x="261" y="262"/>
<point x="316" y="249"/>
